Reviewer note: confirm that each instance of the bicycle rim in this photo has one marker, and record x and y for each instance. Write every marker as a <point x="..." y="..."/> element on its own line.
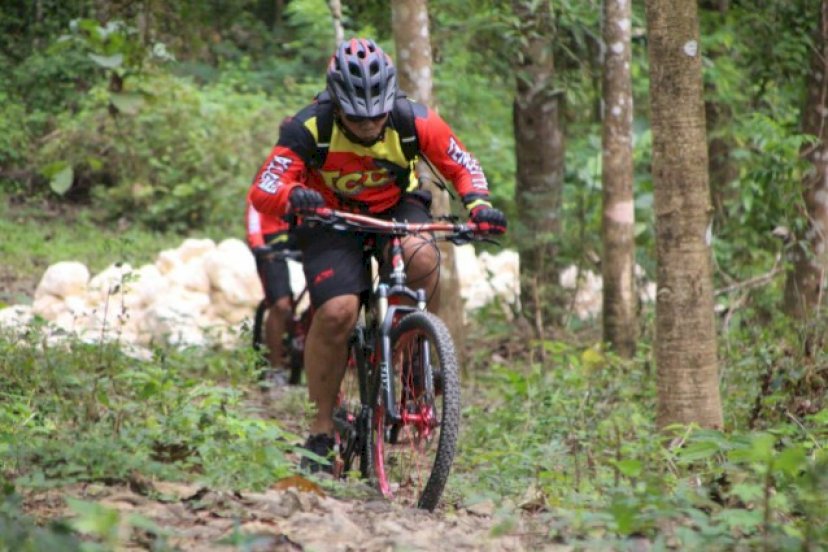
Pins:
<point x="412" y="459"/>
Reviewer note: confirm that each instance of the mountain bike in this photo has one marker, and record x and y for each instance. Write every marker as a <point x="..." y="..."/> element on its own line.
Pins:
<point x="296" y="328"/>
<point x="398" y="415"/>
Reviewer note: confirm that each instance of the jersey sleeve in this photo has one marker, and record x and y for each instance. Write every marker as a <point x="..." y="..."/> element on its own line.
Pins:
<point x="448" y="155"/>
<point x="253" y="222"/>
<point x="285" y="168"/>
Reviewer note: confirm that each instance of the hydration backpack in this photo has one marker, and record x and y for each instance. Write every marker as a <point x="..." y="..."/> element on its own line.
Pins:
<point x="402" y="120"/>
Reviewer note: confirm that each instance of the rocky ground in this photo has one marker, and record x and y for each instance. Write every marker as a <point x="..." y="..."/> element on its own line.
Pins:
<point x="293" y="514"/>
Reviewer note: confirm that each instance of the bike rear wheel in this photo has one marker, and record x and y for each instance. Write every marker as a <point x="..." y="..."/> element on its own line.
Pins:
<point x="412" y="459"/>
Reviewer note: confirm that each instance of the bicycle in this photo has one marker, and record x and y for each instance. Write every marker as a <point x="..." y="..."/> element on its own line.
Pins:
<point x="296" y="328"/>
<point x="404" y="367"/>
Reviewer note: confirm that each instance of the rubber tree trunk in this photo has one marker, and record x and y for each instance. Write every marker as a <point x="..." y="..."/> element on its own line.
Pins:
<point x="336" y="15"/>
<point x="409" y="22"/>
<point x="685" y="343"/>
<point x="539" y="154"/>
<point x="618" y="228"/>
<point x="805" y="284"/>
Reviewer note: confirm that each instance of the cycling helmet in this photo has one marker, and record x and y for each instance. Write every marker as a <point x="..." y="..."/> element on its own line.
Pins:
<point x="361" y="79"/>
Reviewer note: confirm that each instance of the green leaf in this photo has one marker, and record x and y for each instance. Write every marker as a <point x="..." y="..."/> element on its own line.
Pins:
<point x="94" y="519"/>
<point x="630" y="468"/>
<point x="108" y="62"/>
<point x="62" y="180"/>
<point x="791" y="460"/>
<point x="127" y="102"/>
<point x="625" y="515"/>
<point x="699" y="450"/>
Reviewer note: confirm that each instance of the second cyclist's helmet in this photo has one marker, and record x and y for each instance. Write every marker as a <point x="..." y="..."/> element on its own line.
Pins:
<point x="361" y="78"/>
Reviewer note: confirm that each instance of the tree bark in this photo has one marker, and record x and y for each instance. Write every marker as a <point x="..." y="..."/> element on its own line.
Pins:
<point x="618" y="264"/>
<point x="685" y="344"/>
<point x="409" y="22"/>
<point x="539" y="154"/>
<point x="336" y="14"/>
<point x="805" y="283"/>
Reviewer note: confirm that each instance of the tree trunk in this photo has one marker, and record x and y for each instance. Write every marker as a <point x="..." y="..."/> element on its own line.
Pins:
<point x="539" y="154"/>
<point x="336" y="14"/>
<point x="685" y="350"/>
<point x="409" y="22"/>
<point x="805" y="284"/>
<point x="618" y="264"/>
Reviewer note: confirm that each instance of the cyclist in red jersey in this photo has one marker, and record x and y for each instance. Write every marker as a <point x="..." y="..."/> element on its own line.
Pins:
<point x="267" y="233"/>
<point x="362" y="166"/>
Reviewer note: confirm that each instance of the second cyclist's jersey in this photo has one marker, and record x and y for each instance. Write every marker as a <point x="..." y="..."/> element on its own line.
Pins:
<point x="355" y="177"/>
<point x="261" y="227"/>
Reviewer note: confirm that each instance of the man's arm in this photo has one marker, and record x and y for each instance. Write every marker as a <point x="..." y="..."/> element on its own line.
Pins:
<point x="448" y="154"/>
<point x="285" y="169"/>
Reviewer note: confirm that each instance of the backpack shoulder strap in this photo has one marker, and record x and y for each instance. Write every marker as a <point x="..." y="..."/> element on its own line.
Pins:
<point x="324" y="128"/>
<point x="402" y="118"/>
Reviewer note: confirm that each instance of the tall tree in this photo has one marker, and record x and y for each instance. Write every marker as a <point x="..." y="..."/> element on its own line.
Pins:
<point x="687" y="367"/>
<point x="539" y="154"/>
<point x="618" y="265"/>
<point x="336" y="14"/>
<point x="412" y="40"/>
<point x="805" y="284"/>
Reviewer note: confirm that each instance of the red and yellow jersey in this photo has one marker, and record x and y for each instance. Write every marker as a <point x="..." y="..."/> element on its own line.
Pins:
<point x="361" y="178"/>
<point x="260" y="226"/>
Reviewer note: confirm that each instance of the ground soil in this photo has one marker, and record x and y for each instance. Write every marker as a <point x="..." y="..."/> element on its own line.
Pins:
<point x="293" y="514"/>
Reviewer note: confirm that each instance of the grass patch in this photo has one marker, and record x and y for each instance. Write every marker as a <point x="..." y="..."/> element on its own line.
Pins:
<point x="574" y="441"/>
<point x="81" y="413"/>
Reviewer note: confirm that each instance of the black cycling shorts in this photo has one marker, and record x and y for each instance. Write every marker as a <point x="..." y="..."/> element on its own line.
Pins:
<point x="274" y="273"/>
<point x="336" y="263"/>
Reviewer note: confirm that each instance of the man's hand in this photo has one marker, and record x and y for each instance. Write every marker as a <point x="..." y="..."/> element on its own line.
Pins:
<point x="489" y="219"/>
<point x="305" y="200"/>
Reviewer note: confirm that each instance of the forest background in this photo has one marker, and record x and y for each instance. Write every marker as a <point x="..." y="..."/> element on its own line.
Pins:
<point x="125" y="126"/>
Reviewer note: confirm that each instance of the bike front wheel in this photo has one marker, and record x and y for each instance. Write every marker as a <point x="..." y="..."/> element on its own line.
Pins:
<point x="412" y="458"/>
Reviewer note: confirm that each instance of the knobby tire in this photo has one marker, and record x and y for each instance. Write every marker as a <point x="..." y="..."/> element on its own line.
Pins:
<point x="417" y="326"/>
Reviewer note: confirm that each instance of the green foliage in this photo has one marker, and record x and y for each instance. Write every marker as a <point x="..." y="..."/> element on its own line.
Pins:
<point x="575" y="441"/>
<point x="36" y="237"/>
<point x="182" y="160"/>
<point x="20" y="533"/>
<point x="89" y="413"/>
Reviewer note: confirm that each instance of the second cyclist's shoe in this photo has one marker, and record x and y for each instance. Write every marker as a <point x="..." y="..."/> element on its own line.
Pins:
<point x="322" y="445"/>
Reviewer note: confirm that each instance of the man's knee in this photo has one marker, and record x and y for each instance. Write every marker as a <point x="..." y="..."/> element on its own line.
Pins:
<point x="338" y="315"/>
<point x="423" y="258"/>
<point x="282" y="307"/>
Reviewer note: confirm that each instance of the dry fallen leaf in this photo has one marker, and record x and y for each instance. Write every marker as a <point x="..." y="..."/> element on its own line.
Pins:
<point x="300" y="483"/>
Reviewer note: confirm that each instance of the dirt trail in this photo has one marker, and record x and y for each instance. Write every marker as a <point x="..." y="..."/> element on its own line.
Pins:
<point x="294" y="514"/>
<point x="199" y="519"/>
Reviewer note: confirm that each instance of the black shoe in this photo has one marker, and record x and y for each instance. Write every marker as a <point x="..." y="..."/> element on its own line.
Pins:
<point x="322" y="445"/>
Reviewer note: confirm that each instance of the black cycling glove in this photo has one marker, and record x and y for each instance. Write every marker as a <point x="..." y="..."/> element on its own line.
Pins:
<point x="305" y="200"/>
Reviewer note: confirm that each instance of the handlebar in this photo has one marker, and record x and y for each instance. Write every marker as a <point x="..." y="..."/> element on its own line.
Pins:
<point x="456" y="232"/>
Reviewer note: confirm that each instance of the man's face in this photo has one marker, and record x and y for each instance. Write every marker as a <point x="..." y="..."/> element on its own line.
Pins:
<point x="364" y="128"/>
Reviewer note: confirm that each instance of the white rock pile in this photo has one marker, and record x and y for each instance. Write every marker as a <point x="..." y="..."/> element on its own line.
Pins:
<point x="198" y="294"/>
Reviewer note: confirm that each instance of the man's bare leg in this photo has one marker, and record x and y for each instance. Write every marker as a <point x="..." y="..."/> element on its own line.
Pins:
<point x="326" y="353"/>
<point x="277" y="316"/>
